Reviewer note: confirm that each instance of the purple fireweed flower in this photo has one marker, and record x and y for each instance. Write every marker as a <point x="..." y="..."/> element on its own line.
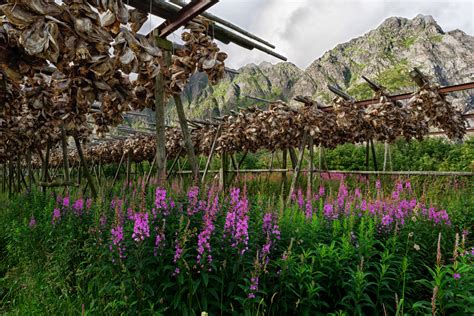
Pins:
<point x="78" y="206"/>
<point x="321" y="190"/>
<point x="130" y="213"/>
<point x="177" y="253"/>
<point x="160" y="237"/>
<point x="408" y="186"/>
<point x="204" y="241"/>
<point x="357" y="193"/>
<point x="88" y="203"/>
<point x="254" y="285"/>
<point x="387" y="220"/>
<point x="32" y="223"/>
<point x="103" y="220"/>
<point x="66" y="201"/>
<point x="160" y="198"/>
<point x="399" y="187"/>
<point x="208" y="228"/>
<point x="328" y="211"/>
<point x="309" y="209"/>
<point x="141" y="228"/>
<point x="193" y="197"/>
<point x="456" y="276"/>
<point x="395" y="195"/>
<point x="378" y="185"/>
<point x="300" y="199"/>
<point x="267" y="222"/>
<point x="56" y="215"/>
<point x="117" y="238"/>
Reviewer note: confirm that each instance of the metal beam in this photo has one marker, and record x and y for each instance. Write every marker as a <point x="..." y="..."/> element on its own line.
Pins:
<point x="186" y="14"/>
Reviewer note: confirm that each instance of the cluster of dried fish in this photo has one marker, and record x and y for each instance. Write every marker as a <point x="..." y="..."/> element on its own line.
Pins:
<point x="433" y="108"/>
<point x="73" y="41"/>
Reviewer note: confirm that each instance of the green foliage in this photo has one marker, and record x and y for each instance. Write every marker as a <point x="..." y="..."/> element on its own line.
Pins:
<point x="345" y="266"/>
<point x="409" y="41"/>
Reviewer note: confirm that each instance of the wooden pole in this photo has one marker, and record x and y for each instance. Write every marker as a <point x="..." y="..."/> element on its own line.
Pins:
<point x="211" y="153"/>
<point x="284" y="159"/>
<point x="241" y="160"/>
<point x="46" y="164"/>
<point x="18" y="173"/>
<point x="30" y="171"/>
<point x="373" y="154"/>
<point x="116" y="174"/>
<point x="4" y="177"/>
<point x="298" y="166"/>
<point x="310" y="173"/>
<point x="149" y="172"/>
<point x="367" y="155"/>
<point x="223" y="172"/>
<point x="385" y="156"/>
<point x="187" y="137"/>
<point x="10" y="178"/>
<point x="160" y="104"/>
<point x="129" y="167"/>
<point x="85" y="166"/>
<point x="176" y="159"/>
<point x="294" y="159"/>
<point x="65" y="156"/>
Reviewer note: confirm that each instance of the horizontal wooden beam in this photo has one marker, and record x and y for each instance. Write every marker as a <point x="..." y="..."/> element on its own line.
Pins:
<point x="231" y="26"/>
<point x="405" y="96"/>
<point x="407" y="173"/>
<point x="186" y="14"/>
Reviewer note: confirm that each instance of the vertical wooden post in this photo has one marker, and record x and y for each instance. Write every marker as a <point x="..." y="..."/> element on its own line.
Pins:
<point x="67" y="179"/>
<point x="367" y="155"/>
<point x="293" y="158"/>
<point x="310" y="167"/>
<point x="211" y="153"/>
<point x="116" y="174"/>
<point x="385" y="154"/>
<point x="85" y="166"/>
<point x="223" y="172"/>
<point x="320" y="154"/>
<point x="129" y="167"/>
<point x="46" y="164"/>
<point x="10" y="178"/>
<point x="160" y="104"/>
<point x="373" y="155"/>
<point x="187" y="137"/>
<point x="4" y="177"/>
<point x="18" y="173"/>
<point x="79" y="173"/>
<point x="284" y="159"/>
<point x="298" y="166"/>
<point x="175" y="161"/>
<point x="30" y="171"/>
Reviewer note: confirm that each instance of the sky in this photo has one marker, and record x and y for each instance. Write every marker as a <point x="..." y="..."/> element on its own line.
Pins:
<point x="302" y="30"/>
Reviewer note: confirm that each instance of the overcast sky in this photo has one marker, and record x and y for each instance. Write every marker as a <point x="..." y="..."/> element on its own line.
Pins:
<point x="303" y="30"/>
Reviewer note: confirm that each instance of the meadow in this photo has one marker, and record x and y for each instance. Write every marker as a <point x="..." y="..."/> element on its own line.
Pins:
<point x="354" y="246"/>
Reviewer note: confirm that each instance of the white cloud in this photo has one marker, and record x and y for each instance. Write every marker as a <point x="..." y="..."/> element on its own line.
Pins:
<point x="303" y="30"/>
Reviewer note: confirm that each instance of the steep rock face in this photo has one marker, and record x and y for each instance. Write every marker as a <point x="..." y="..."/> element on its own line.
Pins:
<point x="388" y="53"/>
<point x="385" y="54"/>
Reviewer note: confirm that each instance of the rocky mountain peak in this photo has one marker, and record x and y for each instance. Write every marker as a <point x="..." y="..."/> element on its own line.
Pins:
<point x="385" y="55"/>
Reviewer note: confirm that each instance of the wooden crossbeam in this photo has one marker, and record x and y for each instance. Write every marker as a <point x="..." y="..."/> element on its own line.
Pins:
<point x="186" y="14"/>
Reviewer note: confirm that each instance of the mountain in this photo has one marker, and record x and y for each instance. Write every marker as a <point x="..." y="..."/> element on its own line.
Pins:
<point x="385" y="54"/>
